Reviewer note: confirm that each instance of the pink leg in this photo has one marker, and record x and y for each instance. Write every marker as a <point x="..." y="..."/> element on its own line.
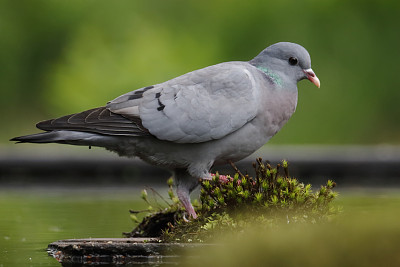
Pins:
<point x="185" y="200"/>
<point x="184" y="185"/>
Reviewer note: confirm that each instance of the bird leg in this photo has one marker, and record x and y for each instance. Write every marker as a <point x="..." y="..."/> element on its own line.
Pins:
<point x="185" y="200"/>
<point x="185" y="183"/>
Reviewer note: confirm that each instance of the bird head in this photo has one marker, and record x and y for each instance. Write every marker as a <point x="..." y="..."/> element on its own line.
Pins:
<point x="290" y="61"/>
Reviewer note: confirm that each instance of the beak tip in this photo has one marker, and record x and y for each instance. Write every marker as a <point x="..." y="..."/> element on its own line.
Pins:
<point x="316" y="82"/>
<point x="312" y="77"/>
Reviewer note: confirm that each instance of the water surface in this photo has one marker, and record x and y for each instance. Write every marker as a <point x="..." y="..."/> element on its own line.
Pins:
<point x="32" y="218"/>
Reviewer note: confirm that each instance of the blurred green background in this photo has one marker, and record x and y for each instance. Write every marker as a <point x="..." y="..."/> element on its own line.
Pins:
<point x="59" y="57"/>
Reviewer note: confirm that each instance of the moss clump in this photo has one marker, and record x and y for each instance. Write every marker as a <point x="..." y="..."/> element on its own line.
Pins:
<point x="157" y="220"/>
<point x="233" y="203"/>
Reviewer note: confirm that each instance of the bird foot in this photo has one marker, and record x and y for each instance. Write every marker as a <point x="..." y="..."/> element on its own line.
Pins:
<point x="185" y="200"/>
<point x="223" y="178"/>
<point x="208" y="176"/>
<point x="185" y="219"/>
<point x="190" y="211"/>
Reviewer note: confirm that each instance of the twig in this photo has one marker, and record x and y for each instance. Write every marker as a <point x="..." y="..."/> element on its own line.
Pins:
<point x="236" y="169"/>
<point x="160" y="196"/>
<point x="277" y="170"/>
<point x="137" y="211"/>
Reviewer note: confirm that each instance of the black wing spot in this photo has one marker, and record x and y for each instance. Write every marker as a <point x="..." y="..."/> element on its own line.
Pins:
<point x="148" y="88"/>
<point x="158" y="95"/>
<point x="161" y="105"/>
<point x="135" y="96"/>
<point x="139" y="93"/>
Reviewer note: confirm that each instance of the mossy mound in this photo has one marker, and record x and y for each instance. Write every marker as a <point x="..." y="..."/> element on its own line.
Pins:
<point x="233" y="203"/>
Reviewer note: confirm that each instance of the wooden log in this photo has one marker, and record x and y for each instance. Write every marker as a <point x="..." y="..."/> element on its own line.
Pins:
<point x="117" y="251"/>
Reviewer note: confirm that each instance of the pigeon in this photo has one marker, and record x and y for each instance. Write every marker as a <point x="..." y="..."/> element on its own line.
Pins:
<point x="215" y="115"/>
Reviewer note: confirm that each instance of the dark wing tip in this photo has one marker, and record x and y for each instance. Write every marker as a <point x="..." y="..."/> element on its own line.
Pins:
<point x="16" y="139"/>
<point x="20" y="139"/>
<point x="44" y="125"/>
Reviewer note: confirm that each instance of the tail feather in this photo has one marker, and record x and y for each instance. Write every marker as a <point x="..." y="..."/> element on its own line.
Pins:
<point x="65" y="137"/>
<point x="45" y="137"/>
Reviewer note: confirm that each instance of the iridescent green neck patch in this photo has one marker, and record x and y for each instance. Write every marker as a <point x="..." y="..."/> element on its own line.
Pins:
<point x="275" y="78"/>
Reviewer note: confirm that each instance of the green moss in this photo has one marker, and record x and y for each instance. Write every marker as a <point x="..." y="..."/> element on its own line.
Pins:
<point x="233" y="203"/>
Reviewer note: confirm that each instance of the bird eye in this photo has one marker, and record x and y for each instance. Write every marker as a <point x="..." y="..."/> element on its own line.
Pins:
<point x="293" y="61"/>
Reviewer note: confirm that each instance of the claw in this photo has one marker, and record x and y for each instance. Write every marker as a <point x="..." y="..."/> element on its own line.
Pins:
<point x="185" y="200"/>
<point x="184" y="219"/>
<point x="190" y="211"/>
<point x="209" y="176"/>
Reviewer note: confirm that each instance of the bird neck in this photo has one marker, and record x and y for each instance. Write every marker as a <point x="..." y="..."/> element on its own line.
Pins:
<point x="272" y="76"/>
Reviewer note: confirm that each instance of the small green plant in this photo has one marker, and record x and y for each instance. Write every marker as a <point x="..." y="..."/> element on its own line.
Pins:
<point x="267" y="193"/>
<point x="159" y="217"/>
<point x="233" y="203"/>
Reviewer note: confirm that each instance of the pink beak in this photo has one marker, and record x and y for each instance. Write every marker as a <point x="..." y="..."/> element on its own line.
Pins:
<point x="312" y="77"/>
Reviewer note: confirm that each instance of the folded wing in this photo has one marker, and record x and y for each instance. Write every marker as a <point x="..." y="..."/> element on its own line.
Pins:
<point x="199" y="106"/>
<point x="98" y="120"/>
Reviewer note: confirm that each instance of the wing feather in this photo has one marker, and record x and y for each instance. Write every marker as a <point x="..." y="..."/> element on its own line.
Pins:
<point x="98" y="120"/>
<point x="196" y="107"/>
